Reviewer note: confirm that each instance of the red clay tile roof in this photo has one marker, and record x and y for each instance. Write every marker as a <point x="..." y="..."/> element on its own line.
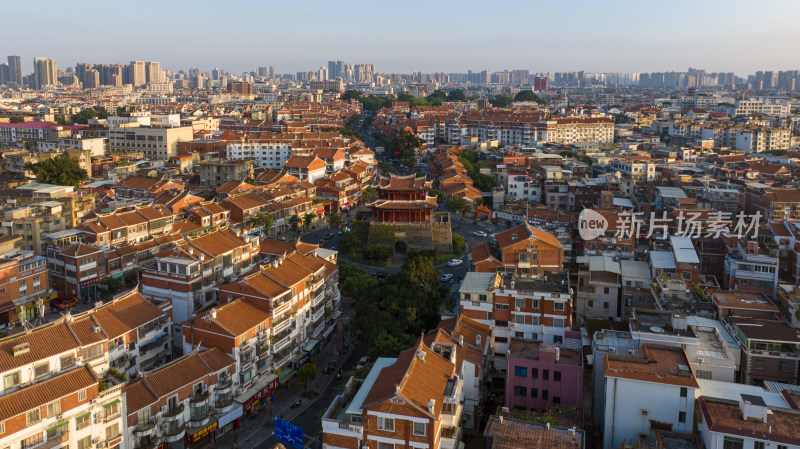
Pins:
<point x="726" y="417"/>
<point x="44" y="392"/>
<point x="659" y="364"/>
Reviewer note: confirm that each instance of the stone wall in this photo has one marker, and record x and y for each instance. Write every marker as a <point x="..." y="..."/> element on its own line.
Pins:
<point x="435" y="235"/>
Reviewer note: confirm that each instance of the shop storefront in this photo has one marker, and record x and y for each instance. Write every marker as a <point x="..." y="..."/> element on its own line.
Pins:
<point x="229" y="421"/>
<point x="203" y="433"/>
<point x="256" y="398"/>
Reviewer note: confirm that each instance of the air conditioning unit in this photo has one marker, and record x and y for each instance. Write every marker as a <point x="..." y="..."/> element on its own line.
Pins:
<point x="631" y="352"/>
<point x="700" y="360"/>
<point x="612" y="349"/>
<point x="96" y="440"/>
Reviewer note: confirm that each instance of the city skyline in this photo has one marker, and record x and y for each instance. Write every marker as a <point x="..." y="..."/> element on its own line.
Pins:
<point x="445" y="38"/>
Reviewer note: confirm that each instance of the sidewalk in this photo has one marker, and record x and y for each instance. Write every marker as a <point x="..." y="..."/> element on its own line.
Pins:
<point x="254" y="430"/>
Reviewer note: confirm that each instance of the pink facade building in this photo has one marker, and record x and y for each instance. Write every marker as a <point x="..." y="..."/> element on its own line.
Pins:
<point x="540" y="374"/>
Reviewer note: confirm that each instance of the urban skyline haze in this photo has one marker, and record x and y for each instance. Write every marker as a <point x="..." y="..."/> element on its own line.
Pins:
<point x="620" y="36"/>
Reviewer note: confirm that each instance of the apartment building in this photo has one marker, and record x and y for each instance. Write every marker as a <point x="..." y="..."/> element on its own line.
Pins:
<point x="776" y="204"/>
<point x="540" y="375"/>
<point x="568" y="130"/>
<point x="216" y="173"/>
<point x="749" y="268"/>
<point x="756" y="106"/>
<point x="305" y="168"/>
<point x="534" y="308"/>
<point x="599" y="288"/>
<point x="265" y="154"/>
<point x="144" y="188"/>
<point x="523" y="187"/>
<point x="748" y="422"/>
<point x="523" y="250"/>
<point x="188" y="273"/>
<point x="662" y="375"/>
<point x="33" y="220"/>
<point x="128" y="225"/>
<point x="770" y="350"/>
<point x="241" y="330"/>
<point x="300" y="294"/>
<point x="504" y="432"/>
<point x="639" y="170"/>
<point x="24" y="288"/>
<point x="155" y="143"/>
<point x="188" y="400"/>
<point x="415" y="400"/>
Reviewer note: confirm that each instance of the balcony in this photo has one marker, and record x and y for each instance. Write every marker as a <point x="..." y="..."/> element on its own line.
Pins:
<point x="174" y="432"/>
<point x="223" y="386"/>
<point x="145" y="429"/>
<point x="223" y="404"/>
<point x="174" y="413"/>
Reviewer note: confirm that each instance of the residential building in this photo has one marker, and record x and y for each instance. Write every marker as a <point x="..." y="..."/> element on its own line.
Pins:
<point x="305" y="168"/>
<point x="155" y="143"/>
<point x="189" y="399"/>
<point x="771" y="350"/>
<point x="745" y="304"/>
<point x="217" y="173"/>
<point x="265" y="154"/>
<point x="541" y="374"/>
<point x="523" y="250"/>
<point x="748" y="422"/>
<point x="411" y="401"/>
<point x="599" y="288"/>
<point x="24" y="288"/>
<point x="749" y="268"/>
<point x="512" y="433"/>
<point x="32" y="221"/>
<point x="654" y="391"/>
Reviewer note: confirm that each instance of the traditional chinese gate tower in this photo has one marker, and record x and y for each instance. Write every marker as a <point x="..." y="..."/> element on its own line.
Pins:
<point x="403" y="216"/>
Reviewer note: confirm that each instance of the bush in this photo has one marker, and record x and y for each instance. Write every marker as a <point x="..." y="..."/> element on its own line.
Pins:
<point x="412" y="253"/>
<point x="377" y="252"/>
<point x="458" y="244"/>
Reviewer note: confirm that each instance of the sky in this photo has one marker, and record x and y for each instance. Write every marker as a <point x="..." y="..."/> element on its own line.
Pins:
<point x="406" y="36"/>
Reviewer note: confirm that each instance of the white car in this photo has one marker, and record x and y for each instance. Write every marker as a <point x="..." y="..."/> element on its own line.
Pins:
<point x="362" y="362"/>
<point x="480" y="234"/>
<point x="455" y="262"/>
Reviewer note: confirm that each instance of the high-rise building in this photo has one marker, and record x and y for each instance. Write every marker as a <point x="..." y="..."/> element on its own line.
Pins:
<point x="322" y="74"/>
<point x="332" y="69"/>
<point x="271" y="73"/>
<point x="153" y="72"/>
<point x="3" y="74"/>
<point x="44" y="73"/>
<point x="135" y="73"/>
<point x="15" y="70"/>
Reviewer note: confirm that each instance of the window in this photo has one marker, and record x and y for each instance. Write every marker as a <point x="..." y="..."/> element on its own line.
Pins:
<point x="520" y="391"/>
<point x="520" y="302"/>
<point x="386" y="424"/>
<point x="68" y="361"/>
<point x="83" y="421"/>
<point x="557" y="376"/>
<point x="519" y="319"/>
<point x="521" y="371"/>
<point x="758" y="445"/>
<point x="519" y="334"/>
<point x="758" y="364"/>
<point x="41" y="370"/>
<point x="681" y="416"/>
<point x="53" y="409"/>
<point x="11" y="380"/>
<point x="2" y="428"/>
<point x="535" y="303"/>
<point x="559" y="306"/>
<point x="545" y="394"/>
<point x="556" y="400"/>
<point x="684" y="392"/>
<point x="732" y="443"/>
<point x="535" y="373"/>
<point x="558" y="322"/>
<point x="33" y="417"/>
<point x="605" y="290"/>
<point x="545" y="374"/>
<point x="385" y="446"/>
<point x="112" y="431"/>
<point x="534" y="393"/>
<point x="783" y="365"/>
<point x="702" y="374"/>
<point x="419" y="429"/>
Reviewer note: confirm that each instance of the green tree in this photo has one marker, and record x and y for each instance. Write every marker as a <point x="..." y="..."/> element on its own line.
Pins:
<point x="456" y="95"/>
<point x="377" y="252"/>
<point x="294" y="223"/>
<point x="112" y="285"/>
<point x="384" y="169"/>
<point x="121" y="110"/>
<point x="368" y="194"/>
<point x="501" y="100"/>
<point x="349" y="243"/>
<point x="529" y="95"/>
<point x="405" y="145"/>
<point x="458" y="205"/>
<point x="307" y="373"/>
<point x="440" y="196"/>
<point x="406" y="97"/>
<point x="62" y="171"/>
<point x="334" y="219"/>
<point x="85" y="115"/>
<point x="387" y="345"/>
<point x="263" y="221"/>
<point x="308" y="219"/>
<point x="16" y="120"/>
<point x="459" y="244"/>
<point x="351" y="94"/>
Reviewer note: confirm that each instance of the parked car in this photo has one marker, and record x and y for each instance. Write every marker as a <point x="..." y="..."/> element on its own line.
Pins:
<point x="455" y="262"/>
<point x="445" y="277"/>
<point x="362" y="362"/>
<point x="480" y="234"/>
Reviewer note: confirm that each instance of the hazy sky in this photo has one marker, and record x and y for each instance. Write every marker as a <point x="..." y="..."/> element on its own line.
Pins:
<point x="406" y="36"/>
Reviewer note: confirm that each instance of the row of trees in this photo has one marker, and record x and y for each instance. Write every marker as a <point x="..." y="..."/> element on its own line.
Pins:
<point x="391" y="314"/>
<point x="61" y="170"/>
<point x="469" y="159"/>
<point x="372" y="103"/>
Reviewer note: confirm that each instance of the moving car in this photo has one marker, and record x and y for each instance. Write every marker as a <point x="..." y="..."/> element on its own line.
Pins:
<point x="480" y="234"/>
<point x="455" y="262"/>
<point x="445" y="277"/>
<point x="64" y="303"/>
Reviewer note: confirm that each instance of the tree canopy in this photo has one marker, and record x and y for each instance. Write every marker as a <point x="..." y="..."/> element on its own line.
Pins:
<point x="368" y="194"/>
<point x="263" y="221"/>
<point x="62" y="171"/>
<point x="529" y="95"/>
<point x="501" y="100"/>
<point x="351" y="94"/>
<point x="405" y="145"/>
<point x="391" y="314"/>
<point x="456" y="95"/>
<point x="89" y="113"/>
